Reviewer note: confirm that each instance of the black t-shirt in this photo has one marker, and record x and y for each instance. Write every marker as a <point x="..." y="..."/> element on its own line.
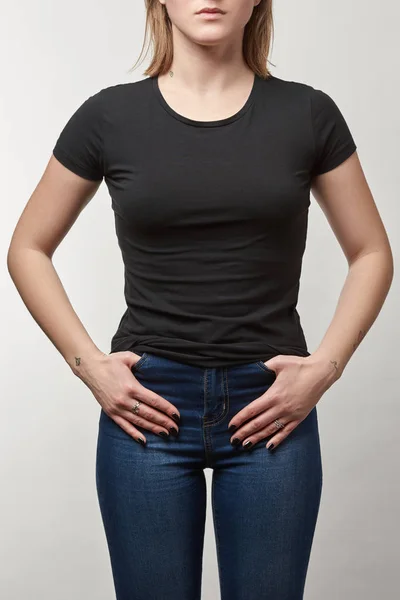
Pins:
<point x="210" y="216"/>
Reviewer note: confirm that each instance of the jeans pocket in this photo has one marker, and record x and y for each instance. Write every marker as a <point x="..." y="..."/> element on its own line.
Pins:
<point x="136" y="367"/>
<point x="263" y="367"/>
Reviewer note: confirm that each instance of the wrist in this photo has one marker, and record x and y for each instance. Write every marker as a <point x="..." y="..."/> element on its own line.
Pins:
<point x="81" y="360"/>
<point x="326" y="365"/>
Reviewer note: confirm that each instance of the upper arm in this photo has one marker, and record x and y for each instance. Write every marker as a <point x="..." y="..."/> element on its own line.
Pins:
<point x="338" y="182"/>
<point x="71" y="178"/>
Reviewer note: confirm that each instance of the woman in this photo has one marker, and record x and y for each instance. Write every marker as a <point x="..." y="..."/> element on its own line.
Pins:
<point x="209" y="162"/>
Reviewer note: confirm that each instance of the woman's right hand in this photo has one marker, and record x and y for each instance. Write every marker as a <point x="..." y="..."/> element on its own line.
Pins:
<point x="110" y="379"/>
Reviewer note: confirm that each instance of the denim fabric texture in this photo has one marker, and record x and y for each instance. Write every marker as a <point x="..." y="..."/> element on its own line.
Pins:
<point x="153" y="498"/>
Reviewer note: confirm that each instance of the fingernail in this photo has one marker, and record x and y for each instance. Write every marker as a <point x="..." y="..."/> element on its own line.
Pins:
<point x="235" y="442"/>
<point x="270" y="447"/>
<point x="232" y="428"/>
<point x="163" y="433"/>
<point x="247" y="444"/>
<point x="173" y="431"/>
<point x="141" y="441"/>
<point x="176" y="417"/>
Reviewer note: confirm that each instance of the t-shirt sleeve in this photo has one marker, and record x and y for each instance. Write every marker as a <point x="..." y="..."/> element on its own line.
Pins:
<point x="333" y="140"/>
<point x="79" y="146"/>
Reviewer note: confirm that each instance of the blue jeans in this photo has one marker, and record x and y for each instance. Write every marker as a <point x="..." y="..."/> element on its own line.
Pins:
<point x="153" y="498"/>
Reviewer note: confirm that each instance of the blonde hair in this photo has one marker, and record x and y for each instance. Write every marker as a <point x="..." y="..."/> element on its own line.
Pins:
<point x="257" y="38"/>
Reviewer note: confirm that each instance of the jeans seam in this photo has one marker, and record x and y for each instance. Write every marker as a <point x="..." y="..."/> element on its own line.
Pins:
<point x="207" y="441"/>
<point x="205" y="392"/>
<point x="217" y="539"/>
<point x="226" y="391"/>
<point x="225" y="409"/>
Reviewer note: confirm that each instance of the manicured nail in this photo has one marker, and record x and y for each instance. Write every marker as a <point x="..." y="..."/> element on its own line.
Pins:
<point x="247" y="444"/>
<point x="173" y="431"/>
<point x="176" y="417"/>
<point x="163" y="433"/>
<point x="235" y="442"/>
<point x="141" y="441"/>
<point x="232" y="428"/>
<point x="270" y="447"/>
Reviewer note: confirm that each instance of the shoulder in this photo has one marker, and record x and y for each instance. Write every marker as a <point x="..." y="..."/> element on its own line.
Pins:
<point x="301" y="100"/>
<point x="118" y="93"/>
<point x="285" y="88"/>
<point x="294" y="91"/>
<point x="113" y="105"/>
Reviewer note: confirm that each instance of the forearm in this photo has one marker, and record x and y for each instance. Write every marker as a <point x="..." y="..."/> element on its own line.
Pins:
<point x="362" y="296"/>
<point x="41" y="290"/>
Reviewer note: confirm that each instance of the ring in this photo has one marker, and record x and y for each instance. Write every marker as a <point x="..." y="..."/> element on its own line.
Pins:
<point x="278" y="424"/>
<point x="135" y="407"/>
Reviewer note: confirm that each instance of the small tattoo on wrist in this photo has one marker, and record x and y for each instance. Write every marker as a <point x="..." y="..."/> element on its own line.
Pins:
<point x="334" y="363"/>
<point x="77" y="360"/>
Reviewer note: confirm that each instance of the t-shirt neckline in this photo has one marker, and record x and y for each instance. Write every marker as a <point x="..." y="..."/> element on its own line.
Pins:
<point x="215" y="123"/>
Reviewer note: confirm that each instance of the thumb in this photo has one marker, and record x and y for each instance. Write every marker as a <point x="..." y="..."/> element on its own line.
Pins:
<point x="273" y="364"/>
<point x="129" y="358"/>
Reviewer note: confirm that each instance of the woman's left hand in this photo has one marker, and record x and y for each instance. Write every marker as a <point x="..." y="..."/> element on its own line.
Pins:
<point x="300" y="382"/>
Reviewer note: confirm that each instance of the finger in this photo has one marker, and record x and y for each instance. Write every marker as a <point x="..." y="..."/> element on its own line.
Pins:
<point x="256" y="428"/>
<point x="140" y="392"/>
<point x="130" y="358"/>
<point x="148" y="424"/>
<point x="281" y="435"/>
<point x="251" y="410"/>
<point x="148" y="413"/>
<point x="130" y="429"/>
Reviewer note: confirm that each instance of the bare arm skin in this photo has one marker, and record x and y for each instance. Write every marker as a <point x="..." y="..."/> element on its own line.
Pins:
<point x="346" y="200"/>
<point x="49" y="214"/>
<point x="348" y="204"/>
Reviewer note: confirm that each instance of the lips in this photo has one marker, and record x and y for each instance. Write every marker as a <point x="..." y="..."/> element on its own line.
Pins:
<point x="210" y="10"/>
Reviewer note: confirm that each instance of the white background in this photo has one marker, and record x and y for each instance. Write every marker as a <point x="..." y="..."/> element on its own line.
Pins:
<point x="54" y="55"/>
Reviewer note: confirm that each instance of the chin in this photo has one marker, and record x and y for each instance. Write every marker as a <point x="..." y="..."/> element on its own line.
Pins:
<point x="208" y="38"/>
